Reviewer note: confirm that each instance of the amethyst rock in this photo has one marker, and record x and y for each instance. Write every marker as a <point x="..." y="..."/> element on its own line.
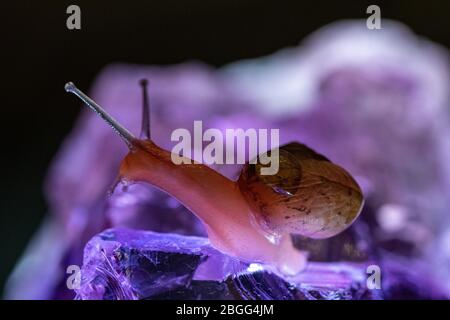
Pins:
<point x="129" y="264"/>
<point x="380" y="113"/>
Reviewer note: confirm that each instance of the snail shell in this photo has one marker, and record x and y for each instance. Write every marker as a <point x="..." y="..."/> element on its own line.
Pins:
<point x="309" y="195"/>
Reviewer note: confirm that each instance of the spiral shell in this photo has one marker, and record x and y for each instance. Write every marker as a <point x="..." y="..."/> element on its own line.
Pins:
<point x="309" y="195"/>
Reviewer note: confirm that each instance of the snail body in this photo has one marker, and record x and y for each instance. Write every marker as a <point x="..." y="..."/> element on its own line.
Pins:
<point x="216" y="200"/>
<point x="251" y="218"/>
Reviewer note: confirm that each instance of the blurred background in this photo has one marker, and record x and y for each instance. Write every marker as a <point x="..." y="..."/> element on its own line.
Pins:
<point x="40" y="54"/>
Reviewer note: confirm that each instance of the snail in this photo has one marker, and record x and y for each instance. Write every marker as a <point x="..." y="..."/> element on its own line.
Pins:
<point x="251" y="218"/>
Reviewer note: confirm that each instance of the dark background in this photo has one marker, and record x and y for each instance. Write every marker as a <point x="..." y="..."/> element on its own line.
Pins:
<point x="40" y="54"/>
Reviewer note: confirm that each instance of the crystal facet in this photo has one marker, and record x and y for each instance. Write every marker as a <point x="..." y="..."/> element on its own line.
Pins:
<point x="129" y="264"/>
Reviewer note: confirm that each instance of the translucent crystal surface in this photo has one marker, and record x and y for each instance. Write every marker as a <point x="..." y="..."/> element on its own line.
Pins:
<point x="129" y="264"/>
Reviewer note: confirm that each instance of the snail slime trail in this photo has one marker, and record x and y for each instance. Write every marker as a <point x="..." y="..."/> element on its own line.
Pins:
<point x="258" y="145"/>
<point x="251" y="218"/>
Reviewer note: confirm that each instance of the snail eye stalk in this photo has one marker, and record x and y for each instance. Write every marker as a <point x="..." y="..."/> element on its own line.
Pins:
<point x="126" y="135"/>
<point x="145" y="126"/>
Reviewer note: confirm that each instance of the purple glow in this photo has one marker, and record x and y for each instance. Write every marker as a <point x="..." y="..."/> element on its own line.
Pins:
<point x="377" y="104"/>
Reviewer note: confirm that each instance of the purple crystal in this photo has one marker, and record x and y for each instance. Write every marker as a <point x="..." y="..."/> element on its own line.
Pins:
<point x="129" y="264"/>
<point x="376" y="103"/>
<point x="140" y="205"/>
